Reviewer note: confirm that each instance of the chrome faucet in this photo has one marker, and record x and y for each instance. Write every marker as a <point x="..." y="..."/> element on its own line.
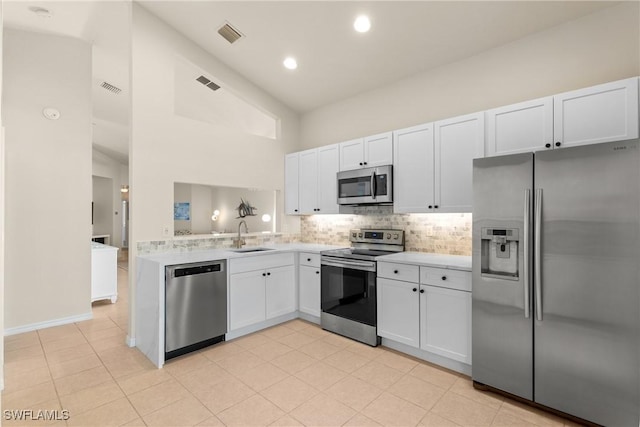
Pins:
<point x="240" y="241"/>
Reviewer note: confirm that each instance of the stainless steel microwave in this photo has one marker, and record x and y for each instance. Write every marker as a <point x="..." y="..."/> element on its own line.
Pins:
<point x="366" y="186"/>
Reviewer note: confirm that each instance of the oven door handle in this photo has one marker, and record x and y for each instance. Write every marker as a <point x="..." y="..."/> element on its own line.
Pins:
<point x="356" y="265"/>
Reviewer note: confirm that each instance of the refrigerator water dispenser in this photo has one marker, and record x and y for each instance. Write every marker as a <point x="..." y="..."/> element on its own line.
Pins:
<point x="500" y="253"/>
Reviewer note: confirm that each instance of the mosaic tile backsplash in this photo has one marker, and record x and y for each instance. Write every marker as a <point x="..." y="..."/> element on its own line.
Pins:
<point x="200" y="243"/>
<point x="436" y="233"/>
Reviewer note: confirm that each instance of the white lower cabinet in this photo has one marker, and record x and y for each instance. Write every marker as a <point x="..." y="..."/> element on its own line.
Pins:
<point x="246" y="299"/>
<point x="309" y="284"/>
<point x="445" y="322"/>
<point x="280" y="287"/>
<point x="398" y="311"/>
<point x="261" y="287"/>
<point x="432" y="318"/>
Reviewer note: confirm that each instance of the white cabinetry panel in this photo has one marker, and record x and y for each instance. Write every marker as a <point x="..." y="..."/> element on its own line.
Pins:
<point x="602" y="113"/>
<point x="445" y="322"/>
<point x="519" y="128"/>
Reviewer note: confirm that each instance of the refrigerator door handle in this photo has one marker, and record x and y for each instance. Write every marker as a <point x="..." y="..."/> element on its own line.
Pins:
<point x="527" y="222"/>
<point x="538" y="254"/>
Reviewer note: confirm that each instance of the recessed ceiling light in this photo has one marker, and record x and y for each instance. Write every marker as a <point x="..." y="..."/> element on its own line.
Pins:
<point x="41" y="11"/>
<point x="362" y="24"/>
<point x="290" y="63"/>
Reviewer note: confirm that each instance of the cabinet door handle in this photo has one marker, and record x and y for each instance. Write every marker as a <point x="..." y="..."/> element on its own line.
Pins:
<point x="435" y="206"/>
<point x="395" y="271"/>
<point x="268" y="274"/>
<point x="295" y="210"/>
<point x="415" y="289"/>
<point x="264" y="274"/>
<point x="558" y="144"/>
<point x="422" y="291"/>
<point x="317" y="272"/>
<point x="360" y="163"/>
<point x="547" y="145"/>
<point x="308" y="259"/>
<point x="444" y="277"/>
<point x="430" y="206"/>
<point x="365" y="163"/>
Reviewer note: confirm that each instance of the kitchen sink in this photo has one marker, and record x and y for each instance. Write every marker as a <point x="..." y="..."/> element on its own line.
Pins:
<point x="245" y="250"/>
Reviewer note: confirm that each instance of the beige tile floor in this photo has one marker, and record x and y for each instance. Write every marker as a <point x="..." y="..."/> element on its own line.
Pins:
<point x="291" y="374"/>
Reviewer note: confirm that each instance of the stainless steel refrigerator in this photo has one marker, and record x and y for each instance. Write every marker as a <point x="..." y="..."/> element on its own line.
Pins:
<point x="556" y="279"/>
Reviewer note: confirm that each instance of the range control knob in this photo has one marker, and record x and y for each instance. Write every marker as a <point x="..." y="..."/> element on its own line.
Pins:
<point x="353" y="234"/>
<point x="388" y="235"/>
<point x="359" y="234"/>
<point x="395" y="236"/>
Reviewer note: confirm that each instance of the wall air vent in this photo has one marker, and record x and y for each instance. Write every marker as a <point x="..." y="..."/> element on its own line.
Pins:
<point x="111" y="88"/>
<point x="229" y="33"/>
<point x="208" y="83"/>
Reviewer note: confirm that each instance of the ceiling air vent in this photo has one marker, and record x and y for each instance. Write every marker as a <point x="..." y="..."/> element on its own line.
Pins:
<point x="111" y="88"/>
<point x="208" y="83"/>
<point x="229" y="33"/>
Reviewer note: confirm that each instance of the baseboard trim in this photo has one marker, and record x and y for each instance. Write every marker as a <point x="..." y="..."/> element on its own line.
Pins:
<point x="131" y="342"/>
<point x="48" y="324"/>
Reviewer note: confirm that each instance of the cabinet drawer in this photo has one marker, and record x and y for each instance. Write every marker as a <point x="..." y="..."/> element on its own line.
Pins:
<point x="446" y="278"/>
<point x="260" y="262"/>
<point x="312" y="260"/>
<point x="405" y="272"/>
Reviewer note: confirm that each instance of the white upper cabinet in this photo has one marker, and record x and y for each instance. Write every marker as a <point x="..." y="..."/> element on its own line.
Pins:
<point x="308" y="181"/>
<point x="602" y="113"/>
<point x="518" y="128"/>
<point x="376" y="150"/>
<point x="457" y="142"/>
<point x="315" y="184"/>
<point x="607" y="112"/>
<point x="413" y="172"/>
<point x="291" y="184"/>
<point x="433" y="165"/>
<point x="328" y="165"/>
<point x="352" y="154"/>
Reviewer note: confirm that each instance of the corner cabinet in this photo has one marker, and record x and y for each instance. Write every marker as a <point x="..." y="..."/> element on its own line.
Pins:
<point x="433" y="165"/>
<point x="372" y="151"/>
<point x="310" y="181"/>
<point x="261" y="287"/>
<point x="602" y="113"/>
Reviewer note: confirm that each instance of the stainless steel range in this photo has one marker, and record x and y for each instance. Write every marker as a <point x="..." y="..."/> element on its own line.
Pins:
<point x="348" y="283"/>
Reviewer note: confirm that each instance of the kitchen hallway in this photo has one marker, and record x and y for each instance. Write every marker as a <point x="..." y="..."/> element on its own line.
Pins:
<point x="291" y="374"/>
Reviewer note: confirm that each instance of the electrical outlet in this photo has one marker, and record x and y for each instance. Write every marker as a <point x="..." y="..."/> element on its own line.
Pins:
<point x="165" y="231"/>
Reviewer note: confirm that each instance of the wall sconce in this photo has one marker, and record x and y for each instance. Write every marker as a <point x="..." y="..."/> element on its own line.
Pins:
<point x="124" y="188"/>
<point x="266" y="218"/>
<point x="215" y="215"/>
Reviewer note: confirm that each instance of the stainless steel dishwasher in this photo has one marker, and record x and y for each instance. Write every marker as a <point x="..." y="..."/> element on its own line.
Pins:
<point x="195" y="306"/>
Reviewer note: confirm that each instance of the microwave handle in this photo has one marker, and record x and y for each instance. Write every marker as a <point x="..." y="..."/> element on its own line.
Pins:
<point x="374" y="190"/>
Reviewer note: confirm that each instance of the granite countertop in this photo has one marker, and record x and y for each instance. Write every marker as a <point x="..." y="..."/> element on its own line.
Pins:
<point x="172" y="258"/>
<point x="455" y="262"/>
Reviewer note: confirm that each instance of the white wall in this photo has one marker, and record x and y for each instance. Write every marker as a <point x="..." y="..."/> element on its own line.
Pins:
<point x="166" y="148"/>
<point x="48" y="178"/>
<point x="107" y="167"/>
<point x="2" y="216"/>
<point x="597" y="48"/>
